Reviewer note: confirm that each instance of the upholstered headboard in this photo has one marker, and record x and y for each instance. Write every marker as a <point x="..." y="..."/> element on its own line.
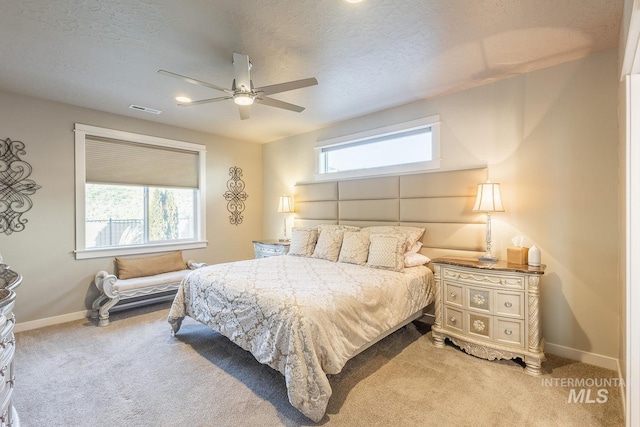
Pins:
<point x="441" y="202"/>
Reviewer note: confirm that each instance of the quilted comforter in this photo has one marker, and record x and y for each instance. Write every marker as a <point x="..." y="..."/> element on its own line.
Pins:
<point x="304" y="317"/>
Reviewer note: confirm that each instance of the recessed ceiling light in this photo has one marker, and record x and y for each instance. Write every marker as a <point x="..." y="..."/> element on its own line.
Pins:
<point x="353" y="1"/>
<point x="183" y="99"/>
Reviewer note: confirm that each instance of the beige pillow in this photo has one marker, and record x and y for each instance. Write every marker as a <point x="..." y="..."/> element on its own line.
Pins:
<point x="355" y="248"/>
<point x="128" y="268"/>
<point x="303" y="241"/>
<point x="329" y="242"/>
<point x="411" y="234"/>
<point x="386" y="251"/>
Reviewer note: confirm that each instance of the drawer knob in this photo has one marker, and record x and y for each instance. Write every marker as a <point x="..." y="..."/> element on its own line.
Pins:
<point x="453" y="295"/>
<point x="508" y="331"/>
<point x="452" y="319"/>
<point x="508" y="304"/>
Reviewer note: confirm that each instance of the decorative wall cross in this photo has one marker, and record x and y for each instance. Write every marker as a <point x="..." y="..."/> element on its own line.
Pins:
<point x="15" y="188"/>
<point x="235" y="195"/>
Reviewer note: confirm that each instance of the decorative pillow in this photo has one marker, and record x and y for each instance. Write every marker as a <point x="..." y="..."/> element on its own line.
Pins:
<point x="330" y="241"/>
<point x="355" y="248"/>
<point x="412" y="234"/>
<point x="415" y="259"/>
<point x="303" y="241"/>
<point x="128" y="268"/>
<point x="386" y="251"/>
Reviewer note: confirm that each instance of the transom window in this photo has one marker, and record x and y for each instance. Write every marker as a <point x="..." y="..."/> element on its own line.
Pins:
<point x="407" y="147"/>
<point x="137" y="193"/>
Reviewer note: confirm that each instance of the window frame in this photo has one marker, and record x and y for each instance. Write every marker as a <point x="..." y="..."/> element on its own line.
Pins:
<point x="81" y="251"/>
<point x="374" y="135"/>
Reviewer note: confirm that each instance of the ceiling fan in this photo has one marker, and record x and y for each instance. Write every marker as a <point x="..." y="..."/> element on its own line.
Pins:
<point x="242" y="91"/>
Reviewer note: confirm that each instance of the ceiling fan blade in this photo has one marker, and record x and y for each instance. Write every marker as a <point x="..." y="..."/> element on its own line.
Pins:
<point x="204" y="101"/>
<point x="245" y="112"/>
<point x="241" y="67"/>
<point x="193" y="81"/>
<point x="279" y="104"/>
<point x="284" y="87"/>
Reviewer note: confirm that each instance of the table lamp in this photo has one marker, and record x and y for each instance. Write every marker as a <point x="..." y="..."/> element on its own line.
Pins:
<point x="488" y="200"/>
<point x="285" y="206"/>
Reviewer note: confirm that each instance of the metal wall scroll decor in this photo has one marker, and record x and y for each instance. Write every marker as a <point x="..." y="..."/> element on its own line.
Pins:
<point x="235" y="195"/>
<point x="15" y="188"/>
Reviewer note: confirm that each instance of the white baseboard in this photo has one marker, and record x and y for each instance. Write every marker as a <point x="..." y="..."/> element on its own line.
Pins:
<point x="583" y="356"/>
<point x="623" y="389"/>
<point x="50" y="321"/>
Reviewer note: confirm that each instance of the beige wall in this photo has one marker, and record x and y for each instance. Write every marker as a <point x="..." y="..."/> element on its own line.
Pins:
<point x="55" y="283"/>
<point x="550" y="138"/>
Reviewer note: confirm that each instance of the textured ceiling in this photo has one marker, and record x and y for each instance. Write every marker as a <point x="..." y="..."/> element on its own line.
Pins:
<point x="104" y="54"/>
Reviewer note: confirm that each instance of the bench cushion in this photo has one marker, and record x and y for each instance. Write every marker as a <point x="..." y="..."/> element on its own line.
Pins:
<point x="129" y="268"/>
<point x="149" y="281"/>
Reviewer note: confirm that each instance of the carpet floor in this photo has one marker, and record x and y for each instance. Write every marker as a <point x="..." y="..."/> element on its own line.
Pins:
<point x="134" y="373"/>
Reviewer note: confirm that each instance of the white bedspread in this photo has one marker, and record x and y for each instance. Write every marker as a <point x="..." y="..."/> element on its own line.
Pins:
<point x="304" y="317"/>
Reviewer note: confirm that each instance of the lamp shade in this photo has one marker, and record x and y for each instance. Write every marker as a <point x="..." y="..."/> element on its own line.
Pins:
<point x="488" y="198"/>
<point x="285" y="205"/>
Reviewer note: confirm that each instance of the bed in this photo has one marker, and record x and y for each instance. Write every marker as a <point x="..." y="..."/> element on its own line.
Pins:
<point x="306" y="314"/>
<point x="304" y="317"/>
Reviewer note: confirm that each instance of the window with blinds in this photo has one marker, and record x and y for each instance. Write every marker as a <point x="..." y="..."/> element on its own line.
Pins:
<point x="136" y="193"/>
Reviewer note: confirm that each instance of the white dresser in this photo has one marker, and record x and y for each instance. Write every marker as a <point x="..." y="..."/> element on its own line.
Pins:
<point x="9" y="281"/>
<point x="491" y="311"/>
<point x="267" y="248"/>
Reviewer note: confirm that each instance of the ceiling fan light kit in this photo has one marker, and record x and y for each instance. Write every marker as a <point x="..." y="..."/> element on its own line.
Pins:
<point x="244" y="98"/>
<point x="243" y="93"/>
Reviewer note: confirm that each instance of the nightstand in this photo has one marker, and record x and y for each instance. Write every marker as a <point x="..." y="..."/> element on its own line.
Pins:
<point x="491" y="311"/>
<point x="267" y="248"/>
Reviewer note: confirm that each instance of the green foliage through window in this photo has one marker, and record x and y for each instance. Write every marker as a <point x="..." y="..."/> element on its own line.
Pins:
<point x="163" y="216"/>
<point x="116" y="215"/>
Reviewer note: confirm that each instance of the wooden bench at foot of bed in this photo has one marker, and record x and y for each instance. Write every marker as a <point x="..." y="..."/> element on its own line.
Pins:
<point x="145" y="288"/>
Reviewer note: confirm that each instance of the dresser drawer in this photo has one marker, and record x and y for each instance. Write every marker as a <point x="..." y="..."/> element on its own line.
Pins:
<point x="480" y="326"/>
<point x="453" y="294"/>
<point x="509" y="304"/>
<point x="509" y="331"/>
<point x="480" y="278"/>
<point x="454" y="319"/>
<point x="479" y="299"/>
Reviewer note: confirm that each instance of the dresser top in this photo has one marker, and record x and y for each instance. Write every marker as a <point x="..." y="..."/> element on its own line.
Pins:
<point x="498" y="266"/>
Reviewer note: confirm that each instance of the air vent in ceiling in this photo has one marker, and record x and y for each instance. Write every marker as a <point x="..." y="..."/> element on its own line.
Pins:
<point x="145" y="109"/>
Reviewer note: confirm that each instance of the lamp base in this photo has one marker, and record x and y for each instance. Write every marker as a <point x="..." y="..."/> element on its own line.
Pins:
<point x="284" y="240"/>
<point x="489" y="260"/>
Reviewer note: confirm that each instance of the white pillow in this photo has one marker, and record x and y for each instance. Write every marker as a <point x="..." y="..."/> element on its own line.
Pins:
<point x="386" y="251"/>
<point x="303" y="241"/>
<point x="414" y="259"/>
<point x="355" y="248"/>
<point x="414" y="249"/>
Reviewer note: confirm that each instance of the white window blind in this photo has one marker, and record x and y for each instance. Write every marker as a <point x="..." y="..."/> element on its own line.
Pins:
<point x="111" y="161"/>
<point x="137" y="194"/>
